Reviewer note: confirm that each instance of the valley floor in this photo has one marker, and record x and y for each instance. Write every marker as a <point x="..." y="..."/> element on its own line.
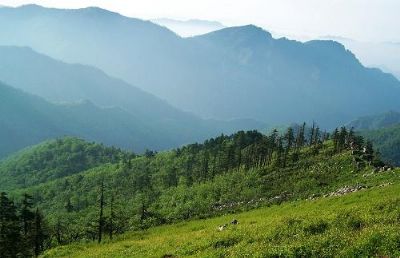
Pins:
<point x="361" y="224"/>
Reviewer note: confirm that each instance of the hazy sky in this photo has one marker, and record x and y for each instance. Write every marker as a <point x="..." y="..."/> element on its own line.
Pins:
<point x="365" y="20"/>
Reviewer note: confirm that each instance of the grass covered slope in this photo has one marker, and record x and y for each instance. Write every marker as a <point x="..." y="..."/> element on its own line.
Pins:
<point x="226" y="174"/>
<point x="54" y="159"/>
<point x="366" y="223"/>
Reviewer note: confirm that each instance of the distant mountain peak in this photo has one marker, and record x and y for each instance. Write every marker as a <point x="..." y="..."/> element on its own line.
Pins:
<point x="97" y="11"/>
<point x="334" y="49"/>
<point x="30" y="6"/>
<point x="250" y="34"/>
<point x="247" y="30"/>
<point x="328" y="43"/>
<point x="91" y="10"/>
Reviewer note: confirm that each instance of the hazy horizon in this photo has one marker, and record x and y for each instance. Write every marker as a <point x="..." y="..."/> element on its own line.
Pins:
<point x="373" y="21"/>
<point x="369" y="29"/>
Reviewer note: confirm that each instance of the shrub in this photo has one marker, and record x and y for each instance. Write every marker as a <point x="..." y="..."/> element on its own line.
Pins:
<point x="349" y="220"/>
<point x="315" y="228"/>
<point x="225" y="242"/>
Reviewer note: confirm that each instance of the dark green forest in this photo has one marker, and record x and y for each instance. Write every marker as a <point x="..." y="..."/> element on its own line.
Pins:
<point x="89" y="192"/>
<point x="23" y="231"/>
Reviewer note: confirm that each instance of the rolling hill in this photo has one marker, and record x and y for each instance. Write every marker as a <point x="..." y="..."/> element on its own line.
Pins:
<point x="384" y="131"/>
<point x="373" y="122"/>
<point x="238" y="72"/>
<point x="387" y="142"/>
<point x="54" y="159"/>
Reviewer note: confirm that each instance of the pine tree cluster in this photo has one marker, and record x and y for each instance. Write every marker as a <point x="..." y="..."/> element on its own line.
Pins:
<point x="22" y="228"/>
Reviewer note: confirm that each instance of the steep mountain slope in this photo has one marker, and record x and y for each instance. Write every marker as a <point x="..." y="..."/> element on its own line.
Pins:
<point x="320" y="80"/>
<point x="61" y="82"/>
<point x="237" y="72"/>
<point x="374" y="122"/>
<point x="26" y="120"/>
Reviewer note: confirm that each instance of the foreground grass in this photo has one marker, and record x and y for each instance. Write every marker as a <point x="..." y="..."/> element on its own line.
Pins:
<point x="365" y="223"/>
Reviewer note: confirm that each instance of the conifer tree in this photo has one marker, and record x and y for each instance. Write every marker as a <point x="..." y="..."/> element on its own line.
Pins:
<point x="289" y="138"/>
<point x="112" y="217"/>
<point x="27" y="216"/>
<point x="279" y="152"/>
<point x="101" y="212"/>
<point x="300" y="140"/>
<point x="342" y="138"/>
<point x="369" y="151"/>
<point x="335" y="138"/>
<point x="317" y="135"/>
<point x="312" y="134"/>
<point x="39" y="235"/>
<point x="10" y="238"/>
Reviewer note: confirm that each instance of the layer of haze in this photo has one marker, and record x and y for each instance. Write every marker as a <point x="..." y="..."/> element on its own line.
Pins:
<point x="369" y="28"/>
<point x="372" y="20"/>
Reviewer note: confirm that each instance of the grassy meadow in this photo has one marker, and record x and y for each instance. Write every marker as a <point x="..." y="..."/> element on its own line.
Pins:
<point x="361" y="224"/>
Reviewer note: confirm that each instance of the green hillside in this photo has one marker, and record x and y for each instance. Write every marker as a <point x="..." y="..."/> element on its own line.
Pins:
<point x="384" y="131"/>
<point x="54" y="159"/>
<point x="374" y="122"/>
<point x="362" y="224"/>
<point x="387" y="141"/>
<point x="227" y="174"/>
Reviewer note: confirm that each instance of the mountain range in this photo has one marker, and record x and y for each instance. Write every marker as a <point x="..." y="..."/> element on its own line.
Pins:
<point x="238" y="72"/>
<point x="83" y="101"/>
